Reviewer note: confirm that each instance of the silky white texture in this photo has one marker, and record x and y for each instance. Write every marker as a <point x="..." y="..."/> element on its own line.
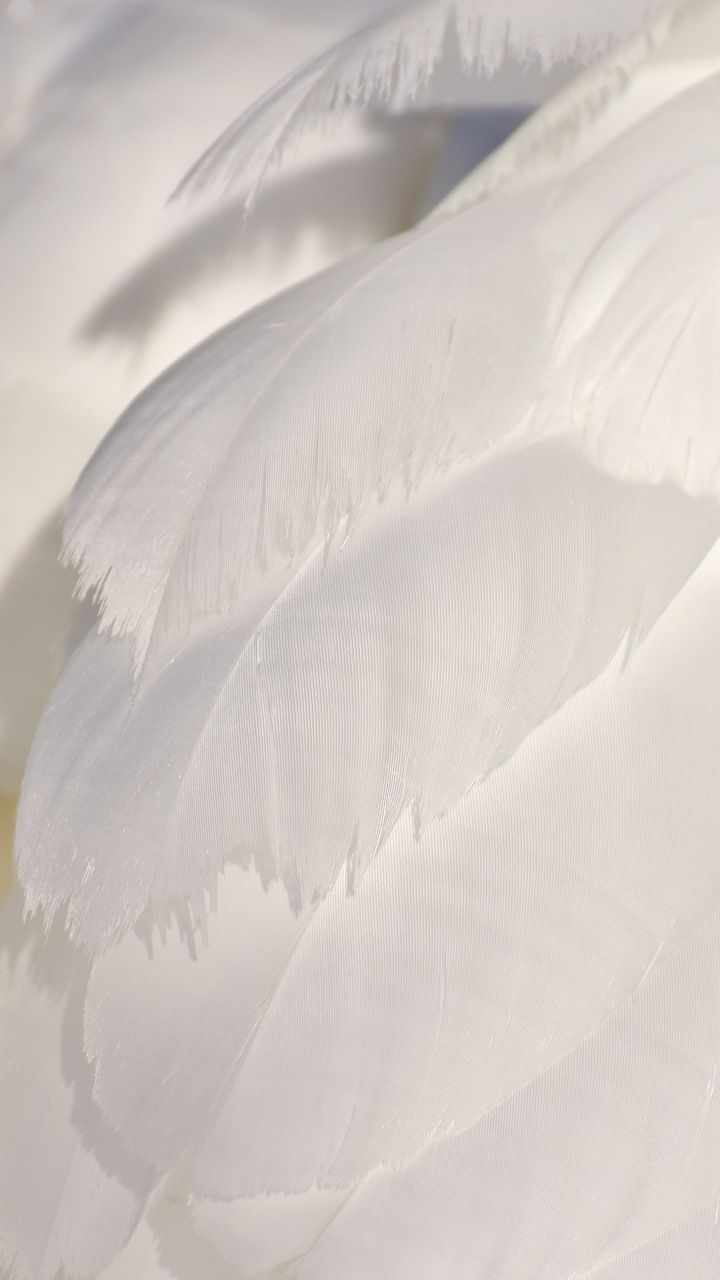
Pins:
<point x="507" y="1031"/>
<point x="397" y="55"/>
<point x="677" y="50"/>
<point x="355" y="1023"/>
<point x="57" y="1156"/>
<point x="646" y="718"/>
<point x="54" y="120"/>
<point x="631" y="1115"/>
<point x="241" y="502"/>
<point x="425" y="1019"/>
<point x="255" y="1236"/>
<point x="243" y="498"/>
<point x="254" y="743"/>
<point x="106" y="283"/>
<point x="163" y="1006"/>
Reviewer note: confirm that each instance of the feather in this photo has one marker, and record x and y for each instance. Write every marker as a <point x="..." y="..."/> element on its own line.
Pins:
<point x="75" y="1204"/>
<point x="180" y="1017"/>
<point x="464" y="967"/>
<point x="257" y="1236"/>
<point x="597" y="1156"/>
<point x="140" y="1259"/>
<point x="398" y="54"/>
<point x="676" y="51"/>
<point x="394" y="675"/>
<point x="692" y="1248"/>
<point x="384" y="803"/>
<point x="96" y="145"/>
<point x="459" y="968"/>
<point x="273" y="473"/>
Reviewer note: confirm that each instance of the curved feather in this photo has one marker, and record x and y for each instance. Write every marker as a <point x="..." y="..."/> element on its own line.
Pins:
<point x="396" y="55"/>
<point x="676" y="51"/>
<point x="256" y="1237"/>
<point x="464" y="967"/>
<point x="605" y="1151"/>
<point x="539" y="904"/>
<point x="321" y="400"/>
<point x="70" y="1195"/>
<point x="327" y="729"/>
<point x="692" y="1249"/>
<point x="102" y="129"/>
<point x="394" y="675"/>
<point x="460" y="967"/>
<point x="173" y="1056"/>
<point x="393" y="384"/>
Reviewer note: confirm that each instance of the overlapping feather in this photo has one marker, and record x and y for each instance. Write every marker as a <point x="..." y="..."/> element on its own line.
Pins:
<point x="397" y="54"/>
<point x="425" y="648"/>
<point x="105" y="283"/>
<point x="396" y="673"/>
<point x="70" y="1193"/>
<point x="275" y="473"/>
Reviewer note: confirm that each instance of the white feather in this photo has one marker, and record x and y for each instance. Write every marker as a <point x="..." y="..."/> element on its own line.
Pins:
<point x="595" y="1158"/>
<point x="273" y="472"/>
<point x="466" y="965"/>
<point x="395" y="674"/>
<point x="70" y="1195"/>
<point x="462" y="966"/>
<point x="108" y="104"/>
<point x="427" y="615"/>
<point x="395" y="56"/>
<point x="679" y="49"/>
<point x="255" y="1237"/>
<point x="165" y="1009"/>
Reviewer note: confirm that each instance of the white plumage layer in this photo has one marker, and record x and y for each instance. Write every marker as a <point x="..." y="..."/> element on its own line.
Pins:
<point x="593" y="325"/>
<point x="497" y="1055"/>
<point x="395" y="57"/>
<point x="102" y="108"/>
<point x="396" y="671"/>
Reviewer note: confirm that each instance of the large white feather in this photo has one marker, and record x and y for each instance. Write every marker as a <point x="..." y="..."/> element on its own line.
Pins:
<point x="394" y="675"/>
<point x="457" y="631"/>
<point x="460" y="968"/>
<point x="429" y="349"/>
<point x="394" y="384"/>
<point x="108" y="284"/>
<point x="605" y="1151"/>
<point x="398" y="54"/>
<point x="465" y="966"/>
